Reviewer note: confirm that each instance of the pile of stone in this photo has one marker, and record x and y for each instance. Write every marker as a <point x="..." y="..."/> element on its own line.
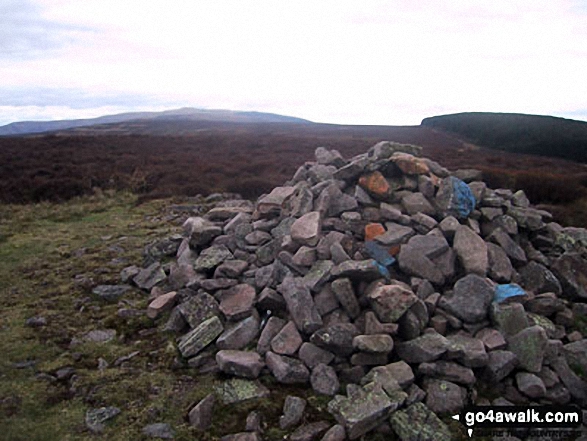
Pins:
<point x="417" y="289"/>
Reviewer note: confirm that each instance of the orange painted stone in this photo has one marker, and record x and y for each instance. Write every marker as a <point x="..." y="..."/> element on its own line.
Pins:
<point x="373" y="230"/>
<point x="411" y="165"/>
<point x="375" y="183"/>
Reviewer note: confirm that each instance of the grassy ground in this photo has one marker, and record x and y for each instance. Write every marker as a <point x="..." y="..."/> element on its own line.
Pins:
<point x="50" y="257"/>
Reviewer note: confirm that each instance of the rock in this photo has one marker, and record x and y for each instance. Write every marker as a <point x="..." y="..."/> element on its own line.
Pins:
<point x="418" y="423"/>
<point x="96" y="418"/>
<point x="200" y="337"/>
<point x="110" y="293"/>
<point x="471" y="250"/>
<point x="312" y="355"/>
<point x="242" y="436"/>
<point x="364" y="411"/>
<point x="36" y="322"/>
<point x="271" y="329"/>
<point x="240" y="363"/>
<point x="491" y="338"/>
<point x="345" y="294"/>
<point x="530" y="385"/>
<point x="287" y="341"/>
<point x="237" y="390"/>
<point x="324" y="380"/>
<point x="200" y="416"/>
<point x="410" y="165"/>
<point x="287" y="370"/>
<point x="335" y="433"/>
<point x="466" y="350"/>
<point x="545" y="304"/>
<point x="570" y="269"/>
<point x="426" y="348"/>
<point x="272" y="204"/>
<point x="576" y="355"/>
<point x="211" y="257"/>
<point x="293" y="411"/>
<point x="306" y="230"/>
<point x="159" y="430"/>
<point x="499" y="365"/>
<point x="270" y="300"/>
<point x="149" y="277"/>
<point x="358" y="270"/>
<point x="511" y="248"/>
<point x="337" y="338"/>
<point x="455" y="198"/>
<point x="390" y="302"/>
<point x="414" y="263"/>
<point x="374" y="343"/>
<point x="539" y="279"/>
<point x="529" y="345"/>
<point x="237" y="302"/>
<point x="449" y="371"/>
<point x="309" y="432"/>
<point x="305" y="256"/>
<point x="576" y="386"/>
<point x="470" y="298"/>
<point x="443" y="396"/>
<point x="254" y="422"/>
<point x="240" y="334"/>
<point x="200" y="231"/>
<point x="318" y="275"/>
<point x="100" y="335"/>
<point x="161" y="304"/>
<point x="300" y="305"/>
<point x="417" y="203"/>
<point x="376" y="184"/>
<point x="199" y="308"/>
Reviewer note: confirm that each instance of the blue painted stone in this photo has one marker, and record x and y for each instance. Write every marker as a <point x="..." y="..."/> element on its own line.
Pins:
<point x="503" y="292"/>
<point x="464" y="198"/>
<point x="379" y="253"/>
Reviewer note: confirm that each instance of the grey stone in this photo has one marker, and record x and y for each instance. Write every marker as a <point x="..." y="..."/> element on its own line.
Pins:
<point x="576" y="355"/>
<point x="110" y="293"/>
<point x="511" y="248"/>
<point x="509" y="319"/>
<point x="390" y="302"/>
<point x="318" y="275"/>
<point x="200" y="337"/>
<point x="426" y="348"/>
<point x="272" y="204"/>
<point x="293" y="412"/>
<point x="500" y="364"/>
<point x="148" y="277"/>
<point x="240" y="334"/>
<point x="309" y="432"/>
<point x="430" y="245"/>
<point x="237" y="302"/>
<point x="240" y="363"/>
<point x="449" y="371"/>
<point x="200" y="416"/>
<point x="312" y="355"/>
<point x="471" y="250"/>
<point x="300" y="305"/>
<point x="500" y="267"/>
<point x="414" y="263"/>
<point x="529" y="345"/>
<point x="305" y="256"/>
<point x="545" y="304"/>
<point x="324" y="380"/>
<point x="158" y="430"/>
<point x="287" y="370"/>
<point x="199" y="308"/>
<point x="470" y="298"/>
<point x="96" y="418"/>
<point x="335" y="433"/>
<point x="418" y="423"/>
<point x="364" y="411"/>
<point x="491" y="338"/>
<point x="200" y="231"/>
<point x="306" y="230"/>
<point x="337" y="338"/>
<point x="326" y="301"/>
<point x="374" y="343"/>
<point x="530" y="385"/>
<point x="396" y="234"/>
<point x="467" y="350"/>
<point x="242" y="436"/>
<point x="271" y="329"/>
<point x="267" y="253"/>
<point x="287" y="341"/>
<point x="417" y="203"/>
<point x="368" y="359"/>
<point x="237" y="390"/>
<point x="345" y="294"/>
<point x="254" y="422"/>
<point x="211" y="257"/>
<point x="539" y="279"/>
<point x="358" y="270"/>
<point x="576" y="386"/>
<point x="443" y="396"/>
<point x="570" y="269"/>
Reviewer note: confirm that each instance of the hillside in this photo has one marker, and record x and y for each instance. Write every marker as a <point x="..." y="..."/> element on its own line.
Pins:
<point x="186" y="114"/>
<point x="518" y="133"/>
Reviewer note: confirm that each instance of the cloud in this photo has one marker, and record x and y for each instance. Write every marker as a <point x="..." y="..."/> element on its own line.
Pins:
<point x="25" y="33"/>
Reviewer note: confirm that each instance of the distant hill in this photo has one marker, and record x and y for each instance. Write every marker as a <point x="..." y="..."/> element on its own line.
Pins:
<point x="183" y="114"/>
<point x="518" y="133"/>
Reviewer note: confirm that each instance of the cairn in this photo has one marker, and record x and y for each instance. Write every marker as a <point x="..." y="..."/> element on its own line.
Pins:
<point x="416" y="288"/>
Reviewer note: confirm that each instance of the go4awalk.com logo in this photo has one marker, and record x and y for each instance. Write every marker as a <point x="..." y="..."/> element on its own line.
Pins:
<point x="510" y="417"/>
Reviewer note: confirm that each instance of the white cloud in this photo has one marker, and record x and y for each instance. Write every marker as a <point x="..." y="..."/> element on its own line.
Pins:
<point x="379" y="62"/>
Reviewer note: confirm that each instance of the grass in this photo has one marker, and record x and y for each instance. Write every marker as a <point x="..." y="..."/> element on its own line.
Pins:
<point x="43" y="247"/>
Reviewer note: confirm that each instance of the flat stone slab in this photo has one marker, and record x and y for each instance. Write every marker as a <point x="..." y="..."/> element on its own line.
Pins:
<point x="197" y="339"/>
<point x="245" y="364"/>
<point x="418" y="423"/>
<point x="237" y="390"/>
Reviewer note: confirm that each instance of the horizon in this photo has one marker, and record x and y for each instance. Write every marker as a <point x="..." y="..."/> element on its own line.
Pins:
<point x="378" y="63"/>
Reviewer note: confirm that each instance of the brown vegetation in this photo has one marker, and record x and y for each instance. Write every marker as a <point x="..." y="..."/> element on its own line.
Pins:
<point x="244" y="158"/>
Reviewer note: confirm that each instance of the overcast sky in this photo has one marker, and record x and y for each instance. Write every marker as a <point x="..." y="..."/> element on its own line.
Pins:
<point x="367" y="62"/>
